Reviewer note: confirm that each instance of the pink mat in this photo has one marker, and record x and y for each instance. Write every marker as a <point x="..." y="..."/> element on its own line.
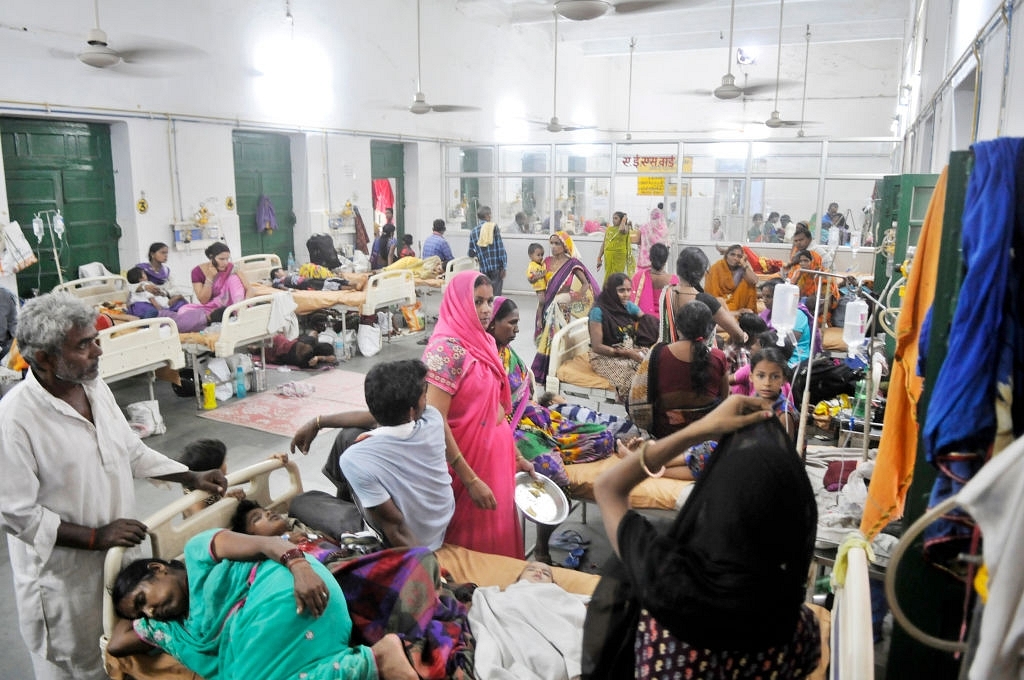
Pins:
<point x="333" y="391"/>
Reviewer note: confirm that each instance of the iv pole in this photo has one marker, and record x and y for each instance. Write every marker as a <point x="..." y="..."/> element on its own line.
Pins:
<point x="55" y="223"/>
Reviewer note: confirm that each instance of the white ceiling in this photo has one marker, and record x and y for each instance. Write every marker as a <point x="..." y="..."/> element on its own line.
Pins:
<point x="679" y="25"/>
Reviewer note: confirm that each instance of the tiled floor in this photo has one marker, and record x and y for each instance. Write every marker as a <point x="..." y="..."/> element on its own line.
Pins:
<point x="247" y="446"/>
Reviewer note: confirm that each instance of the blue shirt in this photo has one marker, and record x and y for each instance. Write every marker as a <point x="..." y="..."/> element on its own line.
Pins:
<point x="437" y="245"/>
<point x="492" y="257"/>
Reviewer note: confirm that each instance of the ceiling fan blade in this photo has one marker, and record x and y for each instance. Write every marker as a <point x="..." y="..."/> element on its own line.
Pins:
<point x="452" y="108"/>
<point x="632" y="6"/>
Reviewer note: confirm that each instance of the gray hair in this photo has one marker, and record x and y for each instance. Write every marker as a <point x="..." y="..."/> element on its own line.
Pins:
<point x="44" y="321"/>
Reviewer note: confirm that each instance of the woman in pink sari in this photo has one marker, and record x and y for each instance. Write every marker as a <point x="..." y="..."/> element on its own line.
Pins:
<point x="655" y="231"/>
<point x="466" y="382"/>
<point x="216" y="285"/>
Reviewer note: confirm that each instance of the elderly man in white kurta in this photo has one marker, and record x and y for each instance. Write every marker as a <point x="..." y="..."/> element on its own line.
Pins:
<point x="67" y="493"/>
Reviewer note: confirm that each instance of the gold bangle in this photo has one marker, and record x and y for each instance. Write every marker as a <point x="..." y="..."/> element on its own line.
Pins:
<point x="643" y="465"/>
<point x="318" y="422"/>
<point x="455" y="460"/>
<point x="475" y="479"/>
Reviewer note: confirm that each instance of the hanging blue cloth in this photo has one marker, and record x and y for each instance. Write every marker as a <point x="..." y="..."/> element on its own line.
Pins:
<point x="266" y="220"/>
<point x="986" y="340"/>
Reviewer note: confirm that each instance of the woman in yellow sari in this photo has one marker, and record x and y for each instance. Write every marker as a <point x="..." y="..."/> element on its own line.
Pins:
<point x="733" y="281"/>
<point x="616" y="254"/>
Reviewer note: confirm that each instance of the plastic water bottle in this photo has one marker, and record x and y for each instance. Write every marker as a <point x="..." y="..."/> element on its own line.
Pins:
<point x="291" y="261"/>
<point x="339" y="348"/>
<point x="854" y="326"/>
<point x="239" y="382"/>
<point x="259" y="377"/>
<point x="209" y="387"/>
<point x="784" y="310"/>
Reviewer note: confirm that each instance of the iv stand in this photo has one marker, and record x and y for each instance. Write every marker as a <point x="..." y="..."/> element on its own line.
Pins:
<point x="55" y="224"/>
<point x="805" y="400"/>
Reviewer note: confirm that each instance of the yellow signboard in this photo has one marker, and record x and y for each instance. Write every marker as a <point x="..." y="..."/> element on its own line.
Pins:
<point x="650" y="186"/>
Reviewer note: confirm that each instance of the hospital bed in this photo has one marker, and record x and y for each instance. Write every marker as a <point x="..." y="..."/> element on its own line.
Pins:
<point x="377" y="292"/>
<point x="569" y="371"/>
<point x="97" y="290"/>
<point x="168" y="532"/>
<point x="257" y="268"/>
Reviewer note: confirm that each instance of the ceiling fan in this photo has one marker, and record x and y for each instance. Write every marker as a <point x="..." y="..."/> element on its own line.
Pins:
<point x="419" y="104"/>
<point x="776" y="120"/>
<point x="555" y="125"/>
<point x="585" y="10"/>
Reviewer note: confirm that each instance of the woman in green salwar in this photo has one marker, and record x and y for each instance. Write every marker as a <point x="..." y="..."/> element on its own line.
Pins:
<point x="616" y="253"/>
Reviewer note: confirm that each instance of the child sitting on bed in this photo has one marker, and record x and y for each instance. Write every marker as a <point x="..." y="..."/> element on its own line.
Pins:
<point x="282" y="278"/>
<point x="146" y="300"/>
<point x="206" y="454"/>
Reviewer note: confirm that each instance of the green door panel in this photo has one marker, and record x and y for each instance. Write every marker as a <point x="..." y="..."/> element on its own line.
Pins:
<point x="66" y="166"/>
<point x="387" y="161"/>
<point x="263" y="166"/>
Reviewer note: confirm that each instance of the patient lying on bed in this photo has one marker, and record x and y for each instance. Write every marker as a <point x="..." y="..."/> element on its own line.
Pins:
<point x="532" y="630"/>
<point x="294" y="620"/>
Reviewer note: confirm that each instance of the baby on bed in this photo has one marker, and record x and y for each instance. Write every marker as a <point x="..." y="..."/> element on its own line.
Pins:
<point x="282" y="278"/>
<point x="532" y="630"/>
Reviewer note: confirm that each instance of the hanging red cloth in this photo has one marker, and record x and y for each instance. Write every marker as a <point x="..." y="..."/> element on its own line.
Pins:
<point x="383" y="196"/>
<point x="362" y="238"/>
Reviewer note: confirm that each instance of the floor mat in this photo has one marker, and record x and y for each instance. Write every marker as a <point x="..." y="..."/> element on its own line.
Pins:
<point x="333" y="391"/>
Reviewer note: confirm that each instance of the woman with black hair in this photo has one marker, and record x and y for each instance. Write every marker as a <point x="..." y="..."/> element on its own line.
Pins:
<point x="691" y="266"/>
<point x="382" y="253"/>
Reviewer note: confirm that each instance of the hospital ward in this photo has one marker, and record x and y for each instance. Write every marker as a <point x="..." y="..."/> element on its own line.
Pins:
<point x="511" y="340"/>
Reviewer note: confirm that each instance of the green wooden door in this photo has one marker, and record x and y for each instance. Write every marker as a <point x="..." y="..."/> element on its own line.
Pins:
<point x="66" y="166"/>
<point x="904" y="202"/>
<point x="387" y="161"/>
<point x="263" y="165"/>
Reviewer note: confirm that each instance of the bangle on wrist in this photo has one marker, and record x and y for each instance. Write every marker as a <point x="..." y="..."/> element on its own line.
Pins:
<point x="455" y="460"/>
<point x="92" y="540"/>
<point x="290" y="556"/>
<point x="318" y="423"/>
<point x="475" y="479"/>
<point x="643" y="465"/>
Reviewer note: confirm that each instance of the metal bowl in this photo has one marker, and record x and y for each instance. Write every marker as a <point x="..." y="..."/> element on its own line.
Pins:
<point x="540" y="500"/>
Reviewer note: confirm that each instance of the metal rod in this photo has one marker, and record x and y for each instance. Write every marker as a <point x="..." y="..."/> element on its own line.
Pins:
<point x="805" y="400"/>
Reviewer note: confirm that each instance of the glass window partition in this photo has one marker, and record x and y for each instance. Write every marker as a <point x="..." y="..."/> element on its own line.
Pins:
<point x="528" y="195"/>
<point x="470" y="159"/>
<point x="583" y="158"/>
<point x="466" y="195"/>
<point x="582" y="204"/>
<point x="536" y="158"/>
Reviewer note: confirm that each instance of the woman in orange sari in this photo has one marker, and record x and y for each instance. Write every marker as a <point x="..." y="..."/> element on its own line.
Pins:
<point x="733" y="281"/>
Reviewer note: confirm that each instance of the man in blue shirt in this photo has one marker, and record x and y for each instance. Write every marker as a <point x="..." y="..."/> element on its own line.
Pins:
<point x="486" y="246"/>
<point x="437" y="245"/>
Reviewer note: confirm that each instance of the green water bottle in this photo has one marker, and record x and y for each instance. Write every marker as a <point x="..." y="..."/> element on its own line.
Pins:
<point x="860" y="401"/>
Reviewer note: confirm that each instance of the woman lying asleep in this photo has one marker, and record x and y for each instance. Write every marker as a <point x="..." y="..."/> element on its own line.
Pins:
<point x="248" y="607"/>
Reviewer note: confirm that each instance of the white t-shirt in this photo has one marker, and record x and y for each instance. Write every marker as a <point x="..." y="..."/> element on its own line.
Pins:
<point x="407" y="465"/>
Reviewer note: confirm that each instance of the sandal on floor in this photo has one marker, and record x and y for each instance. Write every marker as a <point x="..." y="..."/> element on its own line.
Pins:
<point x="572" y="560"/>
<point x="568" y="539"/>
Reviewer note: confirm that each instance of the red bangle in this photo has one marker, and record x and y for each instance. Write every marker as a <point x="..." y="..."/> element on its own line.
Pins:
<point x="293" y="554"/>
<point x="92" y="540"/>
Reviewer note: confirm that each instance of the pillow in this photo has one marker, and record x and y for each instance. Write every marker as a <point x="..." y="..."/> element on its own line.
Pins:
<point x="578" y="372"/>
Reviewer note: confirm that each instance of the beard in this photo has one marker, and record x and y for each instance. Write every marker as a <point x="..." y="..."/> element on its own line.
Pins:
<point x="76" y="374"/>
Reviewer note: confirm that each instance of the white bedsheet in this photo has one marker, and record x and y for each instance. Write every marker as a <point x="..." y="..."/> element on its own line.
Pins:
<point x="529" y="631"/>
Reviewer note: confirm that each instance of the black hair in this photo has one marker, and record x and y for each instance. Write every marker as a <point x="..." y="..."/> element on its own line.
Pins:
<point x="156" y="247"/>
<point x="734" y="246"/>
<point x="481" y="280"/>
<point x="691" y="265"/>
<point x="439" y="225"/>
<point x="694" y="323"/>
<point x="803" y="253"/>
<point x="614" y="281"/>
<point x="801" y="230"/>
<point x="505" y="309"/>
<point x="204" y="454"/>
<point x="534" y="247"/>
<point x="772" y="215"/>
<point x="407" y="239"/>
<point x="751" y="324"/>
<point x="658" y="256"/>
<point x="771" y="339"/>
<point x="215" y="249"/>
<point x="129" y="578"/>
<point x="394" y="387"/>
<point x="134" y="275"/>
<point x="238" y="523"/>
<point x="483" y="212"/>
<point x="773" y="354"/>
<point x="275" y="269"/>
<point x="217" y="315"/>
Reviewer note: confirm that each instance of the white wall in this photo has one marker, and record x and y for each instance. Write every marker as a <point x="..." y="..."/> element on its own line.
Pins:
<point x="937" y="118"/>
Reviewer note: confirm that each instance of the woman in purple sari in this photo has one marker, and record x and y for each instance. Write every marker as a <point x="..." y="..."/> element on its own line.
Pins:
<point x="157" y="274"/>
<point x="570" y="295"/>
<point x="216" y="285"/>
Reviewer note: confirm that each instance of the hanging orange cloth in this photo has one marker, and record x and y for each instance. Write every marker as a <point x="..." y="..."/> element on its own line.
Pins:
<point x="897" y="449"/>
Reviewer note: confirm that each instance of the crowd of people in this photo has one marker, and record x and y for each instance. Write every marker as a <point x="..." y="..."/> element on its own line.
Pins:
<point x="433" y="460"/>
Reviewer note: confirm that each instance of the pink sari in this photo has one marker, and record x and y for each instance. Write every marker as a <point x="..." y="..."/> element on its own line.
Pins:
<point x="227" y="290"/>
<point x="462" y="360"/>
<point x="644" y="294"/>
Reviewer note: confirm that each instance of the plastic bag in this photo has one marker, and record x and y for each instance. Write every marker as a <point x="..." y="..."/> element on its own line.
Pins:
<point x="145" y="419"/>
<point x="360" y="262"/>
<point x="368" y="339"/>
<point x="413" y="319"/>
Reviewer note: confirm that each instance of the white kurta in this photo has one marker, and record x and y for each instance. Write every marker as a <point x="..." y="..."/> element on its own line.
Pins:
<point x="57" y="466"/>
